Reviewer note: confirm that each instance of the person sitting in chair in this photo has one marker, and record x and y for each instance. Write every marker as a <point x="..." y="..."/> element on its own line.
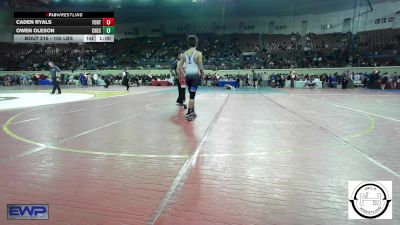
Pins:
<point x="311" y="83"/>
<point x="332" y="81"/>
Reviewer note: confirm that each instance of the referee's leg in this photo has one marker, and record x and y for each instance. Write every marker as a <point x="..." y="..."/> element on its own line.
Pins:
<point x="54" y="86"/>
<point x="179" y="99"/>
<point x="58" y="87"/>
<point x="182" y="95"/>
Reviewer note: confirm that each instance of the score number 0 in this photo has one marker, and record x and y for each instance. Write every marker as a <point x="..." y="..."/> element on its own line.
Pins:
<point x="108" y="21"/>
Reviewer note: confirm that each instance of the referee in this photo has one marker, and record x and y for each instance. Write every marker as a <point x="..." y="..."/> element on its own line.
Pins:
<point x="55" y="73"/>
<point x="181" y="90"/>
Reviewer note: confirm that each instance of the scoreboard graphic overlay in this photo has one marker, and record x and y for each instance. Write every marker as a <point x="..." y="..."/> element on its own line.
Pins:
<point x="63" y="27"/>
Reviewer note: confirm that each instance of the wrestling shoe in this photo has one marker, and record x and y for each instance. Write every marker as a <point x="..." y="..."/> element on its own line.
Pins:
<point x="191" y="116"/>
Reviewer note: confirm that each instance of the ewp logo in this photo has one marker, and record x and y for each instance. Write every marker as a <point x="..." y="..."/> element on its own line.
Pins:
<point x="28" y="212"/>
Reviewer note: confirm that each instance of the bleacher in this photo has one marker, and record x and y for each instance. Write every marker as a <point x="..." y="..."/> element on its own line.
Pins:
<point x="280" y="44"/>
<point x="385" y="41"/>
<point x="220" y="51"/>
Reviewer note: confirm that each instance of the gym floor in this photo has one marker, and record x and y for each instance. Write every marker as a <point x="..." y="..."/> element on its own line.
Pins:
<point x="265" y="156"/>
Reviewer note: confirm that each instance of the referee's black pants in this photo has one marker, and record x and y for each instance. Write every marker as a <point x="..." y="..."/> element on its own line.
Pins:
<point x="56" y="85"/>
<point x="181" y="94"/>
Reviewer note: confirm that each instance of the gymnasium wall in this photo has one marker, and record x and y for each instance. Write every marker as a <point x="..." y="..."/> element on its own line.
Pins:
<point x="358" y="19"/>
<point x="312" y="71"/>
